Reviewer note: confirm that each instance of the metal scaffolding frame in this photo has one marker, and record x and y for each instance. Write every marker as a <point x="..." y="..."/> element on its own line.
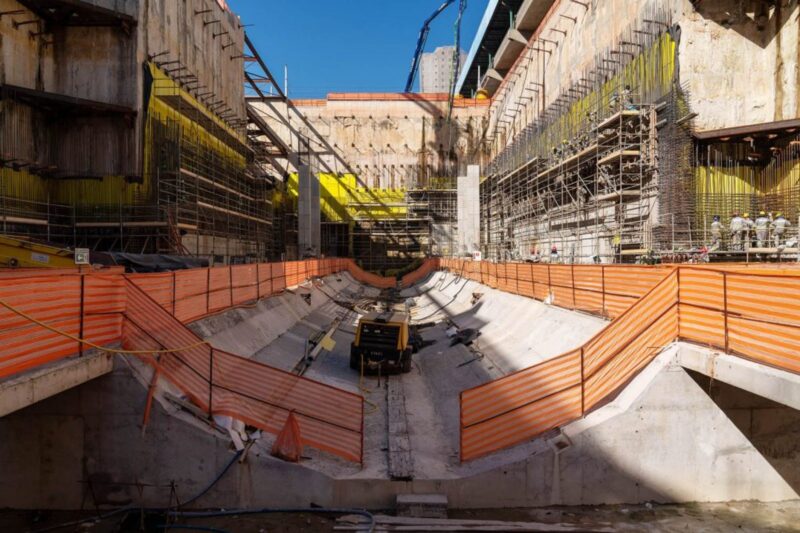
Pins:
<point x="583" y="174"/>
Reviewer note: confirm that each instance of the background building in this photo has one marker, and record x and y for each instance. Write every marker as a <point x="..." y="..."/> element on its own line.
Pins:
<point x="436" y="70"/>
<point x="144" y="143"/>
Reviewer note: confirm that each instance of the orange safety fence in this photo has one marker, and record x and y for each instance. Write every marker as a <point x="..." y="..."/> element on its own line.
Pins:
<point x="605" y="290"/>
<point x="426" y="269"/>
<point x="755" y="315"/>
<point x="522" y="405"/>
<point x="83" y="305"/>
<point x="221" y="383"/>
<point x="195" y="293"/>
<point x="750" y="312"/>
<point x="369" y="278"/>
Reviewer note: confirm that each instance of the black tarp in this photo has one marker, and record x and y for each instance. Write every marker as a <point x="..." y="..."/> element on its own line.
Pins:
<point x="148" y="262"/>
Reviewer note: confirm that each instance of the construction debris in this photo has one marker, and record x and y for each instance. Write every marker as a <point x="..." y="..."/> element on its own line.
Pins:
<point x="397" y="523"/>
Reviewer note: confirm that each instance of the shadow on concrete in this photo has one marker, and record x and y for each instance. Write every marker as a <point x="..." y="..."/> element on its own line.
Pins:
<point x="759" y="22"/>
<point x="772" y="428"/>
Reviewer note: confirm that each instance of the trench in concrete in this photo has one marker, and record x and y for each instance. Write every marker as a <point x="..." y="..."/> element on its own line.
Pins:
<point x="514" y="333"/>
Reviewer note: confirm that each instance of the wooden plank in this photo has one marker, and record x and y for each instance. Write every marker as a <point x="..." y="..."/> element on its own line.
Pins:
<point x="397" y="523"/>
<point x="401" y="464"/>
<point x="617" y="155"/>
<point x="614" y="119"/>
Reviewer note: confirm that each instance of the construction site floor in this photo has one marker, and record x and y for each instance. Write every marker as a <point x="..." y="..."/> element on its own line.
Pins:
<point x="697" y="518"/>
<point x="514" y="332"/>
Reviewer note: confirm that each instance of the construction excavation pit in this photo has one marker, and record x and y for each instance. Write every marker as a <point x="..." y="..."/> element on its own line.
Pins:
<point x="527" y="386"/>
<point x="550" y="284"/>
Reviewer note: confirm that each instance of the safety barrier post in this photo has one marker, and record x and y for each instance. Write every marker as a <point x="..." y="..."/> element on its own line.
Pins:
<point x="208" y="290"/>
<point x="230" y="282"/>
<point x="583" y="383"/>
<point x="603" y="287"/>
<point x="574" y="302"/>
<point x="678" y="298"/>
<point x="82" y="312"/>
<point x="210" y="381"/>
<point x="725" y="307"/>
<point x="258" y="282"/>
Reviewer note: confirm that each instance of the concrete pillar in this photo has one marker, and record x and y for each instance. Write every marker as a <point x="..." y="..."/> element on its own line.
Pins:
<point x="308" y="212"/>
<point x="469" y="210"/>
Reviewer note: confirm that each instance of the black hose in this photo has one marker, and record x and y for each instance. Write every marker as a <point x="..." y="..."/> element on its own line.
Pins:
<point x="171" y="511"/>
<point x="214" y="481"/>
<point x="189" y="527"/>
<point x="119" y="510"/>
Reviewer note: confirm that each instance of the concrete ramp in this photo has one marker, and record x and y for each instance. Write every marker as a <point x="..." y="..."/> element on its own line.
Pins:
<point x="662" y="439"/>
<point x="515" y="331"/>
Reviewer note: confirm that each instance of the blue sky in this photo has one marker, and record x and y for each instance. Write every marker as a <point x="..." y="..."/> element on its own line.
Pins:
<point x="348" y="45"/>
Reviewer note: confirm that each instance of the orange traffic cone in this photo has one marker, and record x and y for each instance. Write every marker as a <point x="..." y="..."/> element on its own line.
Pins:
<point x="289" y="445"/>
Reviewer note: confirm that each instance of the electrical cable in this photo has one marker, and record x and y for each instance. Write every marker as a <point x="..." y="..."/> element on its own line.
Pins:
<point x="189" y="527"/>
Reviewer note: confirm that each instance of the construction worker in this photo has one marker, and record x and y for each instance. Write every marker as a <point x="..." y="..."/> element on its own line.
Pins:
<point x="748" y="229"/>
<point x="737" y="228"/>
<point x="622" y="99"/>
<point x="554" y="254"/>
<point x="762" y="224"/>
<point x="779" y="226"/>
<point x="716" y="233"/>
<point x="627" y="98"/>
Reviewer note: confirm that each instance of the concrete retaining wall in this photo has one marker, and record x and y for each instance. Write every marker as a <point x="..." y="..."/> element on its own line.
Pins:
<point x="664" y="439"/>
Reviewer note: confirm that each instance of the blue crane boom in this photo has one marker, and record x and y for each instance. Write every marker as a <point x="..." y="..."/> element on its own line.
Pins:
<point x="423" y="37"/>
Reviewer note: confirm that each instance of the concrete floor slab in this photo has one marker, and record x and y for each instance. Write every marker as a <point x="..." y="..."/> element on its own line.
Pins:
<point x="20" y="391"/>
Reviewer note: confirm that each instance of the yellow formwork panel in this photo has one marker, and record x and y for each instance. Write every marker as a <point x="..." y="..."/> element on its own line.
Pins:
<point x="159" y="110"/>
<point x="23" y="185"/>
<point x="343" y="200"/>
<point x="738" y="180"/>
<point x="722" y="180"/>
<point x="116" y="190"/>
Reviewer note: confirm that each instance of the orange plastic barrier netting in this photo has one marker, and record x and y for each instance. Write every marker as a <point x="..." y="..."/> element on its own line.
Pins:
<point x="751" y="312"/>
<point x="195" y="293"/>
<point x="425" y="270"/>
<point x="522" y="405"/>
<point x="605" y="290"/>
<point x="84" y="305"/>
<point x="218" y="382"/>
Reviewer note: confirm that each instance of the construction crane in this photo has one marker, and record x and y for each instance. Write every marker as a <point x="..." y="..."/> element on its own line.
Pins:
<point x="423" y="37"/>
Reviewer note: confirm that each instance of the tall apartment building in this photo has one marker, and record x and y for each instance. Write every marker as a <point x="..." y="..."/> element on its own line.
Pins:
<point x="436" y="70"/>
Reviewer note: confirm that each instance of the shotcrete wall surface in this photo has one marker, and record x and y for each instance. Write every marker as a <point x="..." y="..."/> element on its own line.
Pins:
<point x="719" y="41"/>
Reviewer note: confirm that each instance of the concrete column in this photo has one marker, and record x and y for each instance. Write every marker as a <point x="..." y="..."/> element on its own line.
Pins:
<point x="469" y="210"/>
<point x="308" y="212"/>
